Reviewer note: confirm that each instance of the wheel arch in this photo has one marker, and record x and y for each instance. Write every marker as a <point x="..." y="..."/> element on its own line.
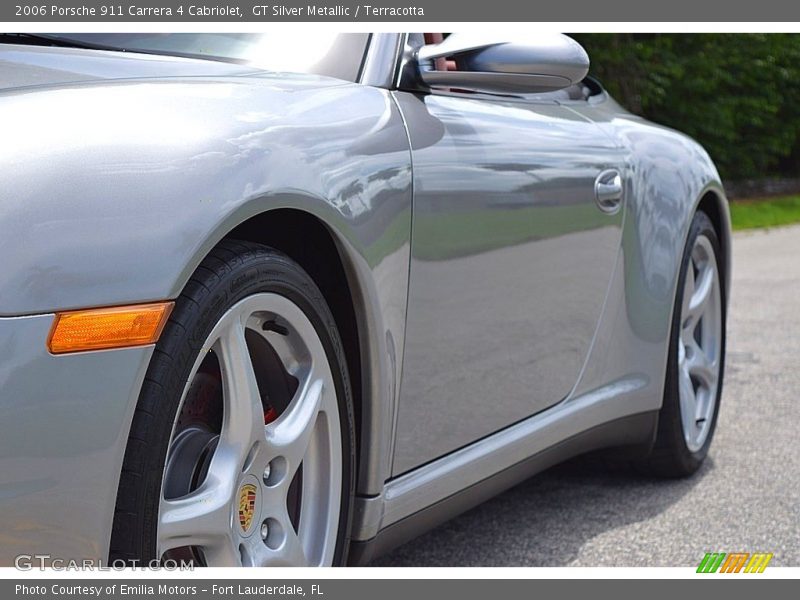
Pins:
<point x="338" y="268"/>
<point x="714" y="203"/>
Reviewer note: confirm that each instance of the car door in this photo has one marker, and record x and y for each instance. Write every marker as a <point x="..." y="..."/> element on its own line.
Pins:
<point x="511" y="260"/>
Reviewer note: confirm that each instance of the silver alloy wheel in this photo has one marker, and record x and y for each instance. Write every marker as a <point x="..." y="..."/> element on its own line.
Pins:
<point x="239" y="513"/>
<point x="699" y="344"/>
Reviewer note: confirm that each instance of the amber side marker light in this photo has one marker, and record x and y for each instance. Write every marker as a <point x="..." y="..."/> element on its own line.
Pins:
<point x="105" y="328"/>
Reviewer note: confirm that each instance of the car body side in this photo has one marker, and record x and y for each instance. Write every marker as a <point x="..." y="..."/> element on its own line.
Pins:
<point x="113" y="193"/>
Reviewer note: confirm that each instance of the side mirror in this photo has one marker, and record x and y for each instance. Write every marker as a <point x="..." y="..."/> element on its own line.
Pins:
<point x="485" y="63"/>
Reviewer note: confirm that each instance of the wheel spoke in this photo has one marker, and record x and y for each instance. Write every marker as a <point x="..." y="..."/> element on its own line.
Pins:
<point x="701" y="294"/>
<point x="243" y="420"/>
<point x="292" y="552"/>
<point x="290" y="435"/>
<point x="289" y="553"/>
<point x="224" y="554"/>
<point x="290" y="355"/>
<point x="201" y="518"/>
<point x="688" y="402"/>
<point x="701" y="367"/>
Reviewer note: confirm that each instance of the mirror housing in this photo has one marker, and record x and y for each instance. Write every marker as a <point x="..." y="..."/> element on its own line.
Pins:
<point x="486" y="63"/>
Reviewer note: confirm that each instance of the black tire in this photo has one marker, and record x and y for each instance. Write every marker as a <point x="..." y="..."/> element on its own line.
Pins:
<point x="231" y="272"/>
<point x="670" y="456"/>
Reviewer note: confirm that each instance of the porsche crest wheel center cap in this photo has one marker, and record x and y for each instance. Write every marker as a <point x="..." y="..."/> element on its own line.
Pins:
<point x="247" y="506"/>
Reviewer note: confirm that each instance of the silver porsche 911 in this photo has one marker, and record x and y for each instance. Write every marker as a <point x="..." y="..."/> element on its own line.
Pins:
<point x="273" y="299"/>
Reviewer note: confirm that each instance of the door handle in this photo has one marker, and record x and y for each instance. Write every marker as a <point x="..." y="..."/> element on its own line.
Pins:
<point x="608" y="191"/>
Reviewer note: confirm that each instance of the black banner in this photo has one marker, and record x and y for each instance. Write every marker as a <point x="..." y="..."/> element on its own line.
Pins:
<point x="385" y="589"/>
<point x="451" y="11"/>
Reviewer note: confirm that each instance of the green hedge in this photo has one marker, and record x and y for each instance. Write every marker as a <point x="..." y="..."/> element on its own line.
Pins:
<point x="737" y="94"/>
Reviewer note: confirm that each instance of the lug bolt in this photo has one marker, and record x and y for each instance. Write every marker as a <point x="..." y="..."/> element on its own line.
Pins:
<point x="267" y="472"/>
<point x="264" y="531"/>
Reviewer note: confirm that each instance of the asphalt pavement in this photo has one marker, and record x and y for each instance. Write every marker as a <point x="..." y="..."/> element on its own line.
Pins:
<point x="746" y="498"/>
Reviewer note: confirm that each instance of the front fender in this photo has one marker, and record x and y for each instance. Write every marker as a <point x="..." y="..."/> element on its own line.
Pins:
<point x="114" y="193"/>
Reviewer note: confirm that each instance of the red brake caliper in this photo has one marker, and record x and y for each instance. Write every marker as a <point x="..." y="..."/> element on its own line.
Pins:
<point x="270" y="414"/>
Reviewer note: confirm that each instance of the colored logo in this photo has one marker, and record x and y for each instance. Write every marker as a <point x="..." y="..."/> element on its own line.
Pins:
<point x="735" y="562"/>
<point x="247" y="506"/>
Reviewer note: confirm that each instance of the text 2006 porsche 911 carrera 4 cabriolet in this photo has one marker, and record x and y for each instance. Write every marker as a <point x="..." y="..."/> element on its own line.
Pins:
<point x="271" y="299"/>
